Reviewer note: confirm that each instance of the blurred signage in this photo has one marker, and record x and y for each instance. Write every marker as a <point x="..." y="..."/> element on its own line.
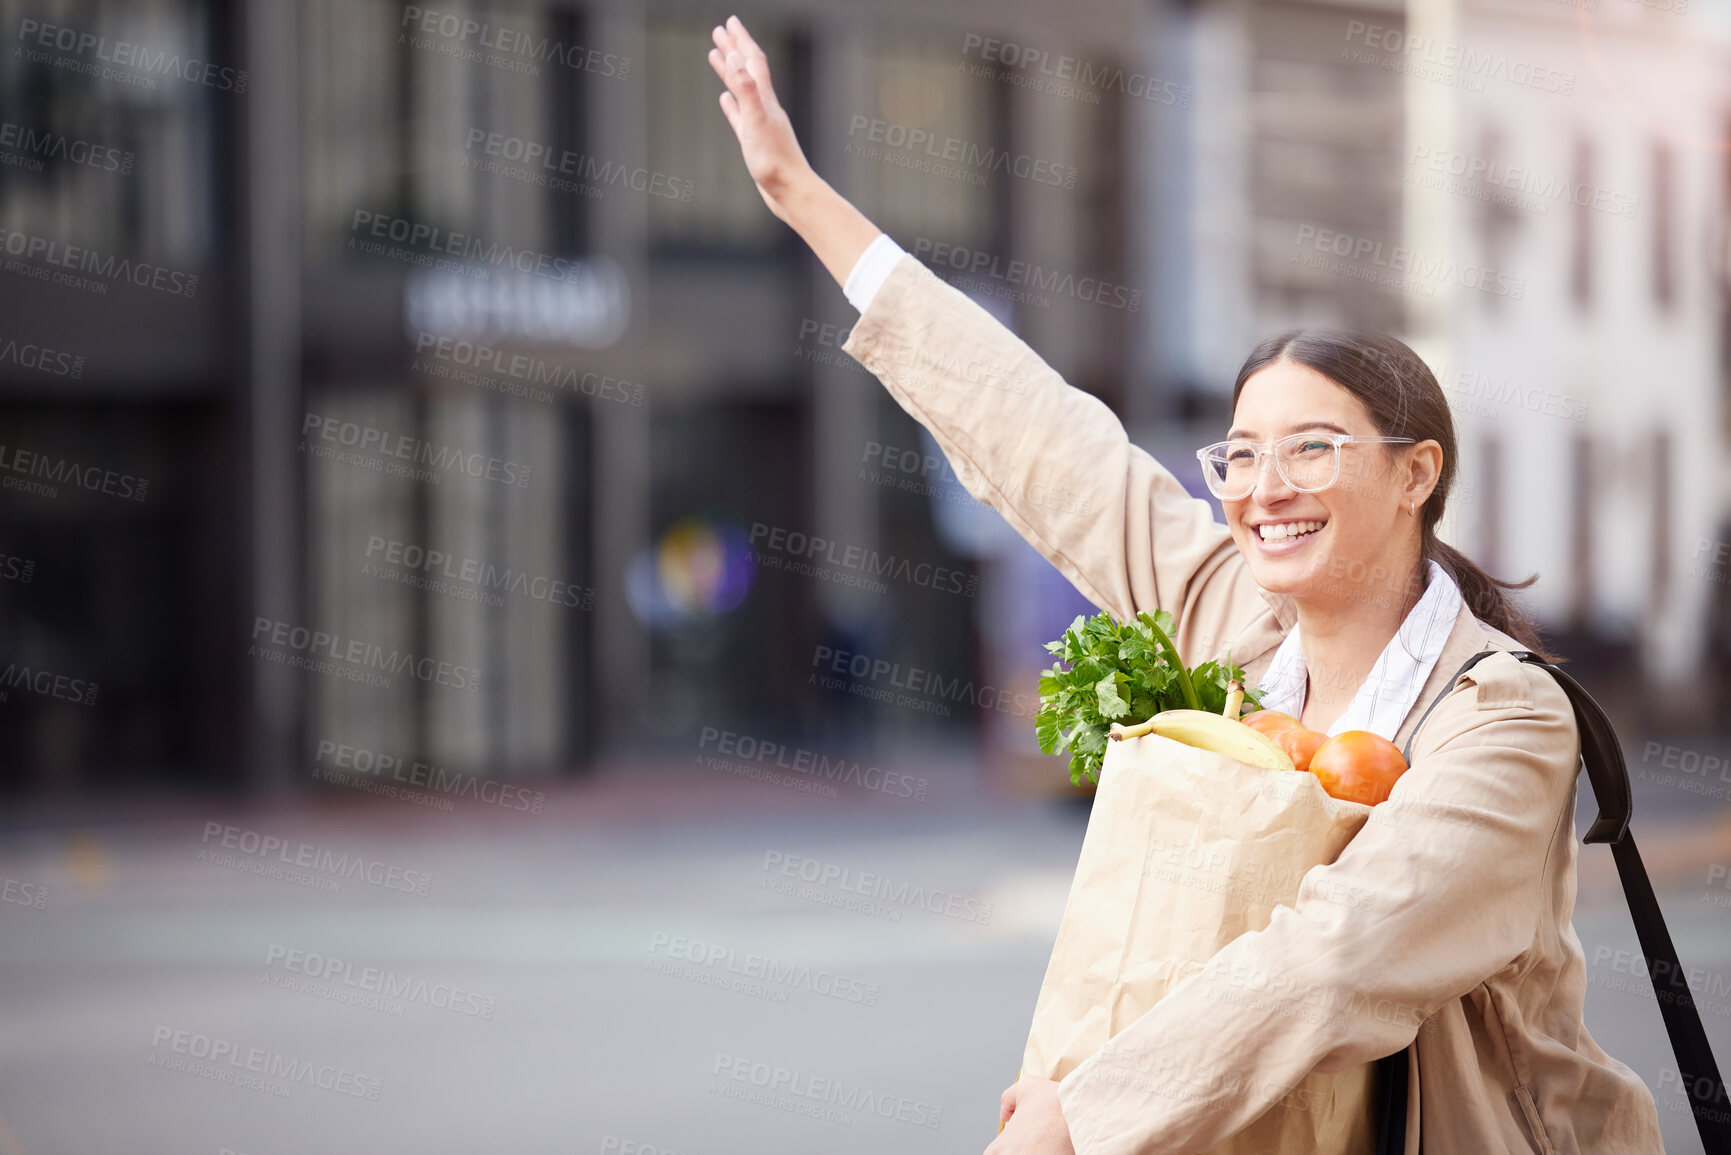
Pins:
<point x="588" y="306"/>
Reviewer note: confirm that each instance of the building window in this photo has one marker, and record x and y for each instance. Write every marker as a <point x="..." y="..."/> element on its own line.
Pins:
<point x="1661" y="545"/>
<point x="1664" y="226"/>
<point x="353" y="92"/>
<point x="143" y="185"/>
<point x="916" y="87"/>
<point x="1581" y="221"/>
<point x="1581" y="530"/>
<point x="1490" y="512"/>
<point x="1498" y="220"/>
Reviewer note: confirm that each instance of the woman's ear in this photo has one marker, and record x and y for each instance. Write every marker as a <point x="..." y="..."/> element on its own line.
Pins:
<point x="1424" y="464"/>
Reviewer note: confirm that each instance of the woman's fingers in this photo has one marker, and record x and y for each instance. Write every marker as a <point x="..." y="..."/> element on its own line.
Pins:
<point x="742" y="37"/>
<point x="730" y="65"/>
<point x="730" y="109"/>
<point x="755" y="58"/>
<point x="724" y="47"/>
<point x="1007" y="1105"/>
<point x="734" y="38"/>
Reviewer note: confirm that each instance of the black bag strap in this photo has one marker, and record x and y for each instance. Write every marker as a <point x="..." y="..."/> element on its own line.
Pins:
<point x="1602" y="755"/>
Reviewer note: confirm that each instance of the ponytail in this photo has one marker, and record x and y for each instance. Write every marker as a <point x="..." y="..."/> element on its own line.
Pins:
<point x="1485" y="597"/>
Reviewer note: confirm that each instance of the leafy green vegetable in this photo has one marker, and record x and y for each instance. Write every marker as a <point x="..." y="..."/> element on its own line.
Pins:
<point x="1121" y="672"/>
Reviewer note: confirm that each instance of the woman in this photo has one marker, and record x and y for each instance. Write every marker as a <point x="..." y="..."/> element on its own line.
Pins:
<point x="1445" y="923"/>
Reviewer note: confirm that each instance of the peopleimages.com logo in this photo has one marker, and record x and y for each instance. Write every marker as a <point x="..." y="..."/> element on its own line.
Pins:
<point x="23" y="893"/>
<point x="1055" y="71"/>
<point x="404" y="448"/>
<point x="376" y="981"/>
<point x="564" y="170"/>
<point x="801" y="552"/>
<point x="41" y="358"/>
<point x="800" y="1093"/>
<point x="98" y="55"/>
<point x="171" y="1049"/>
<point x="427" y="776"/>
<point x="964" y="158"/>
<point x="259" y="847"/>
<point x="47" y="683"/>
<point x="500" y="45"/>
<point x="29" y="147"/>
<point x="30" y="247"/>
<point x="307" y="647"/>
<point x="65" y="471"/>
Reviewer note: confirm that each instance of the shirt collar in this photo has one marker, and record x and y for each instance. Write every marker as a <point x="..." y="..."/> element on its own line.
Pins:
<point x="1387" y="695"/>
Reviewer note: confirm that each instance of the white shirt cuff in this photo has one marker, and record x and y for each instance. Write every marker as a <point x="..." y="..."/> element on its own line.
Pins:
<point x="871" y="270"/>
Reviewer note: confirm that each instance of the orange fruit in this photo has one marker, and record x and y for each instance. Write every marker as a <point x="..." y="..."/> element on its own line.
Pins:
<point x="1300" y="745"/>
<point x="1270" y="722"/>
<point x="1358" y="765"/>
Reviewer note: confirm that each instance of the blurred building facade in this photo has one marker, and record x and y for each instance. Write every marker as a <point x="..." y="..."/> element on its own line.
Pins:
<point x="486" y="324"/>
<point x="494" y="357"/>
<point x="1534" y="196"/>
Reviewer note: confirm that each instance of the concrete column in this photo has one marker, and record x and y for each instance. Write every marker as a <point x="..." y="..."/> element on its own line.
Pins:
<point x="270" y="187"/>
<point x="844" y="404"/>
<point x="1428" y="219"/>
<point x="619" y="129"/>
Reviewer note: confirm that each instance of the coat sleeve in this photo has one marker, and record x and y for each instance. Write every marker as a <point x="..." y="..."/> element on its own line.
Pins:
<point x="1055" y="462"/>
<point x="1440" y="889"/>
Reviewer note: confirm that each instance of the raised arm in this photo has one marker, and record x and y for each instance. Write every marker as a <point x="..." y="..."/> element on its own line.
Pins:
<point x="1054" y="460"/>
<point x="1057" y="463"/>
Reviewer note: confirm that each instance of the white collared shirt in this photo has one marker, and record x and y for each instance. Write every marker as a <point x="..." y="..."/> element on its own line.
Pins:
<point x="1388" y="694"/>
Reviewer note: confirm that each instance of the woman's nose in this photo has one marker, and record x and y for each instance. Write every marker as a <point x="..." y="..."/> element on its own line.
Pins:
<point x="1270" y="486"/>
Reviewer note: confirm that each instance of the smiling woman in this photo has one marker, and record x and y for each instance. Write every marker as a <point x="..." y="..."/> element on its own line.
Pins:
<point x="1328" y="585"/>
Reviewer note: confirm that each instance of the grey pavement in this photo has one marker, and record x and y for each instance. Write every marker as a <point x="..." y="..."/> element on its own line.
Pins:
<point x="607" y="974"/>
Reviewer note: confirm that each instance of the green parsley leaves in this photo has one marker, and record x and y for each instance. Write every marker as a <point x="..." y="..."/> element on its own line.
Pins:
<point x="1121" y="672"/>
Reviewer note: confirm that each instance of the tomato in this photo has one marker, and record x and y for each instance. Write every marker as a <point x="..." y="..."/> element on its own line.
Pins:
<point x="1270" y="722"/>
<point x="1300" y="744"/>
<point x="1358" y="765"/>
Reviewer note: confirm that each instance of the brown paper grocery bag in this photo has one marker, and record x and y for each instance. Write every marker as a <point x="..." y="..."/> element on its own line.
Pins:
<point x="1187" y="849"/>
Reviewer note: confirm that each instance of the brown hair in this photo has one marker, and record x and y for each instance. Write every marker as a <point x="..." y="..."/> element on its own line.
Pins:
<point x="1404" y="400"/>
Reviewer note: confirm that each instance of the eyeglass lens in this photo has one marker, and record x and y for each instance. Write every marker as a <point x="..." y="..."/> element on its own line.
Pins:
<point x="1304" y="462"/>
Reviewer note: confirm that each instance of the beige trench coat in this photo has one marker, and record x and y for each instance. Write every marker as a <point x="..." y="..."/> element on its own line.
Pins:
<point x="1446" y="919"/>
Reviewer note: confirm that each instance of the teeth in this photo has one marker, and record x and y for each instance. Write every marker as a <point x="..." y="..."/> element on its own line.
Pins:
<point x="1286" y="529"/>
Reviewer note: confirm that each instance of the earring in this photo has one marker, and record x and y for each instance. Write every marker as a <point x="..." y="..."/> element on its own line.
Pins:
<point x="1410" y="509"/>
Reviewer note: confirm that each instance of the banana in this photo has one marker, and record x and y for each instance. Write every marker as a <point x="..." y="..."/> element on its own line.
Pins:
<point x="1208" y="731"/>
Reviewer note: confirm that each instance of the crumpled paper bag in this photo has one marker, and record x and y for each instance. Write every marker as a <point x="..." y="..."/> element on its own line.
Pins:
<point x="1185" y="850"/>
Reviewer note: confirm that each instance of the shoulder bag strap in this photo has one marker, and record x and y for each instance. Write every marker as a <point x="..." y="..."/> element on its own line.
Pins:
<point x="1602" y="755"/>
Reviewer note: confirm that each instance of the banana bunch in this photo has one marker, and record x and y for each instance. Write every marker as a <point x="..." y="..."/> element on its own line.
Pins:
<point x="1221" y="733"/>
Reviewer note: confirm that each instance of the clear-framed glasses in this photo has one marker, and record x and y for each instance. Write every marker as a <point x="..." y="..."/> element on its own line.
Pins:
<point x="1307" y="462"/>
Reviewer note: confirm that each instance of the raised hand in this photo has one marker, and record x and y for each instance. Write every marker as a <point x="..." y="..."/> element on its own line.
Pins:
<point x="836" y="231"/>
<point x="772" y="153"/>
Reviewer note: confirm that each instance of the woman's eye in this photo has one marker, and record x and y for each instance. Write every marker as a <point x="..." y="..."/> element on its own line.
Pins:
<point x="1240" y="456"/>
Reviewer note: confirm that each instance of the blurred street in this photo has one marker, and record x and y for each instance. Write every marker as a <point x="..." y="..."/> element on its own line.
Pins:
<point x="573" y="1026"/>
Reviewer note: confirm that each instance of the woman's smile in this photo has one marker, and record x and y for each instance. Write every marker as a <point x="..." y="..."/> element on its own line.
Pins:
<point x="1276" y="537"/>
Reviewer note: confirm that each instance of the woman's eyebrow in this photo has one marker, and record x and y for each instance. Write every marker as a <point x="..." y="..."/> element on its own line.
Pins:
<point x="1250" y="435"/>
